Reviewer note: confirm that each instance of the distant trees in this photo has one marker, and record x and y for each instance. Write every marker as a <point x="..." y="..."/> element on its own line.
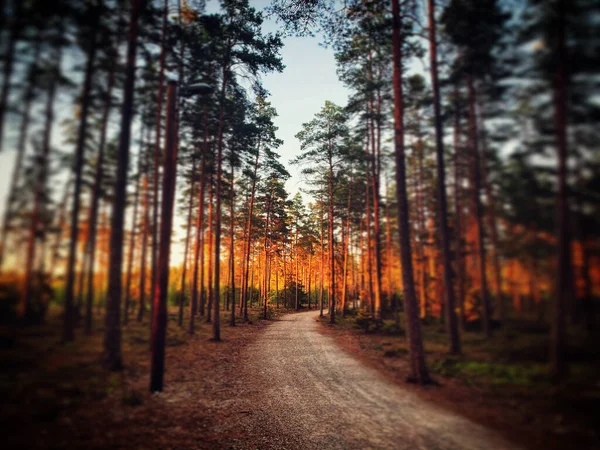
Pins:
<point x="501" y="132"/>
<point x="323" y="150"/>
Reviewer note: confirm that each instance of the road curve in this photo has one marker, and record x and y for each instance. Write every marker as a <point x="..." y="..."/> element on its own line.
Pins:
<point x="314" y="395"/>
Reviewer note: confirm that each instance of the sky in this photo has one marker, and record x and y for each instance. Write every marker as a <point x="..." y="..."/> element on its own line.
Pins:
<point x="299" y="92"/>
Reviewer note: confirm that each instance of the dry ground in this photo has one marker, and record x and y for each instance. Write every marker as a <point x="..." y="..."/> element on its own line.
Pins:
<point x="500" y="384"/>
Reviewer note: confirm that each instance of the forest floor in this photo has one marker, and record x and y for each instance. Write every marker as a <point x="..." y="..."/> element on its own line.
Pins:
<point x="288" y="383"/>
<point x="501" y="383"/>
<point x="57" y="396"/>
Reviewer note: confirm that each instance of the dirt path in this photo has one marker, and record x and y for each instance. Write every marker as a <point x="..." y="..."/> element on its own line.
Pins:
<point x="313" y="395"/>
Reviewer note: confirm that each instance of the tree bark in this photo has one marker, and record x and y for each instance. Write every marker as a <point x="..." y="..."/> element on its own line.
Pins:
<point x="160" y="292"/>
<point x="199" y="231"/>
<point x="476" y="164"/>
<point x="132" y="239"/>
<point x="186" y="248"/>
<point x="564" y="273"/>
<point x="112" y="337"/>
<point x="419" y="372"/>
<point x="232" y="243"/>
<point x="159" y="102"/>
<point x="460" y="263"/>
<point x="441" y="181"/>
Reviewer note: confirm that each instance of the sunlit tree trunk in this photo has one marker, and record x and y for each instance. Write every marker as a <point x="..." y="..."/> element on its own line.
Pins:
<point x="322" y="270"/>
<point x="419" y="370"/>
<point x="246" y="252"/>
<point x="112" y="337"/>
<point x="266" y="268"/>
<point x="199" y="231"/>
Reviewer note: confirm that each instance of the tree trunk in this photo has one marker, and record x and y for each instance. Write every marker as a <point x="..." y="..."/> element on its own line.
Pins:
<point x="159" y="102"/>
<point x="211" y="231"/>
<point x="132" y="240"/>
<point x="564" y="274"/>
<point x="160" y="292"/>
<point x="322" y="274"/>
<point x="458" y="161"/>
<point x="331" y="247"/>
<point x="246" y="252"/>
<point x="199" y="231"/>
<point x="487" y="329"/>
<point x="492" y="222"/>
<point x="112" y="337"/>
<point x="441" y="181"/>
<point x="419" y="371"/>
<point x="232" y="243"/>
<point x="218" y="187"/>
<point x="186" y="249"/>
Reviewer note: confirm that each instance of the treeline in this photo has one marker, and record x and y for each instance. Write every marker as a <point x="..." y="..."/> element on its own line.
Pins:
<point x="433" y="193"/>
<point x="470" y="185"/>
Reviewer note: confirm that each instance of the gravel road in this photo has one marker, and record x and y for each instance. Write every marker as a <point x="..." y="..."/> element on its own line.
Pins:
<point x="314" y="395"/>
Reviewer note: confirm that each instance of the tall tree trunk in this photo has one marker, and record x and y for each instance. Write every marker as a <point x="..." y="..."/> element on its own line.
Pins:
<point x="322" y="271"/>
<point x="441" y="181"/>
<point x="186" y="249"/>
<point x="159" y="102"/>
<point x="112" y="337"/>
<point x="69" y="318"/>
<point x="266" y="269"/>
<point x="419" y="371"/>
<point x="160" y="292"/>
<point x="296" y="304"/>
<point x="132" y="240"/>
<point x="199" y="231"/>
<point x="476" y="163"/>
<point x="460" y="262"/>
<point x="564" y="274"/>
<point x="145" y="232"/>
<point x="95" y="201"/>
<point x="211" y="240"/>
<point x="40" y="191"/>
<point x="232" y="242"/>
<point x="246" y="253"/>
<point x="346" y="248"/>
<point x="491" y="215"/>
<point x="331" y="246"/>
<point x="218" y="187"/>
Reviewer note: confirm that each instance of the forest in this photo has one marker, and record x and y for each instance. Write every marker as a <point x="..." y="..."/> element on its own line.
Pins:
<point x="425" y="259"/>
